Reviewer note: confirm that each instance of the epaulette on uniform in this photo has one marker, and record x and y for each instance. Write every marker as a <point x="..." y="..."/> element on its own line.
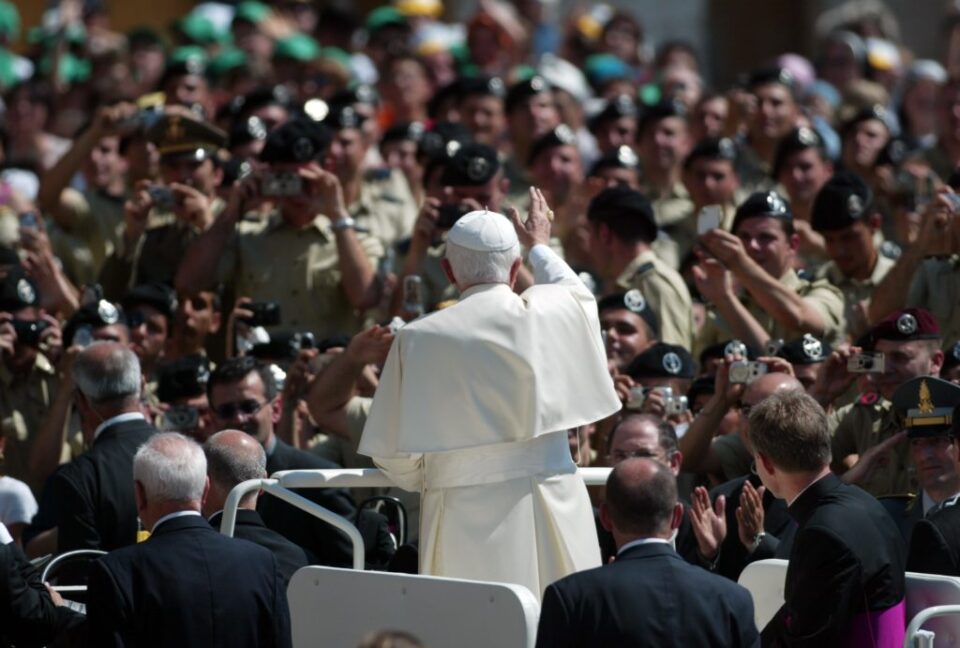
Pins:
<point x="644" y="269"/>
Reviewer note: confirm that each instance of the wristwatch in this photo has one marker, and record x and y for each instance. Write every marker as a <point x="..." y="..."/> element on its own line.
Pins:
<point x="757" y="539"/>
<point x="343" y="224"/>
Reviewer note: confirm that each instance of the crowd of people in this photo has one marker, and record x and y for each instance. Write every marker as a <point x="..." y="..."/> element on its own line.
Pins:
<point x="218" y="237"/>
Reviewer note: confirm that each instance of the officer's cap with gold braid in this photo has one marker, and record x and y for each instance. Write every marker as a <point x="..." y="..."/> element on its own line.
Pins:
<point x="176" y="134"/>
<point x="926" y="406"/>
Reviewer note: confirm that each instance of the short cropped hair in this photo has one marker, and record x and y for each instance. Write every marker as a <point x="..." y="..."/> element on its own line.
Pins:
<point x="790" y="428"/>
<point x="641" y="507"/>
<point x="228" y="465"/>
<point x="233" y="370"/>
<point x="103" y="378"/>
<point x="471" y="267"/>
<point x="171" y="468"/>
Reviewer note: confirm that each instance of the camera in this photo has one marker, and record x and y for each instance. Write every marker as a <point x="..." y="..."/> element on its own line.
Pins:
<point x="448" y="214"/>
<point x="281" y="185"/>
<point x="865" y="363"/>
<point x="180" y="418"/>
<point x="672" y="405"/>
<point x="28" y="331"/>
<point x="710" y="217"/>
<point x="162" y="197"/>
<point x="29" y="220"/>
<point x="744" y="372"/>
<point x="264" y="314"/>
<point x="413" y="294"/>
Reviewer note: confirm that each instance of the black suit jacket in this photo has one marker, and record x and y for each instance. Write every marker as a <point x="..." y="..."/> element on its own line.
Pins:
<point x="847" y="558"/>
<point x="290" y="557"/>
<point x="28" y="616"/>
<point x="648" y="597"/>
<point x="188" y="585"/>
<point x="96" y="508"/>
<point x="906" y="511"/>
<point x="935" y="543"/>
<point x="686" y="540"/>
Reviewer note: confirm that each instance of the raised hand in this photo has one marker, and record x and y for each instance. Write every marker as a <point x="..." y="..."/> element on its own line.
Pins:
<point x="709" y="523"/>
<point x="536" y="229"/>
<point x="750" y="514"/>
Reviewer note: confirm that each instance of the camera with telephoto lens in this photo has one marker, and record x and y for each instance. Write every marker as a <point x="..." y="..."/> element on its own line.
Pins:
<point x="28" y="331"/>
<point x="281" y="185"/>
<point x="264" y="314"/>
<point x="865" y="363"/>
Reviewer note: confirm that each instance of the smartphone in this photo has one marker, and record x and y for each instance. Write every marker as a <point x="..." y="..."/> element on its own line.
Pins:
<point x="743" y="372"/>
<point x="413" y="294"/>
<point x="280" y="185"/>
<point x="865" y="363"/>
<point x="162" y="197"/>
<point x="710" y="217"/>
<point x="264" y="313"/>
<point x="29" y="220"/>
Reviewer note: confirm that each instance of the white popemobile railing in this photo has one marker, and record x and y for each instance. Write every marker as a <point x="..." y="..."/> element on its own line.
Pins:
<point x="281" y="484"/>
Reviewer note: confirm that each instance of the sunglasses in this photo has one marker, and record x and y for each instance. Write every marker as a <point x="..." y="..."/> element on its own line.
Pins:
<point x="231" y="410"/>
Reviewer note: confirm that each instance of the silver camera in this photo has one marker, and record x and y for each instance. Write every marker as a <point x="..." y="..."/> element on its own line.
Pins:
<point x="866" y="363"/>
<point x="743" y="372"/>
<point x="281" y="185"/>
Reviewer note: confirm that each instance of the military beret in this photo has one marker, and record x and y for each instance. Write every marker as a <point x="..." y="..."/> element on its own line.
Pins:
<point x="95" y="316"/>
<point x="626" y="211"/>
<point x="604" y="67"/>
<point x="712" y="148"/>
<point x="894" y="153"/>
<point x="226" y="61"/>
<point x="662" y="360"/>
<point x="659" y="111"/>
<point x="845" y="199"/>
<point x="276" y="95"/>
<point x="926" y="405"/>
<point x="385" y="16"/>
<point x="251" y="129"/>
<point x="435" y="141"/>
<point x="343" y="116"/>
<point x="951" y="357"/>
<point x="195" y="28"/>
<point x="904" y="325"/>
<point x="867" y="113"/>
<point x="17" y="290"/>
<point x="487" y="86"/>
<point x="562" y="135"/>
<point x="633" y="301"/>
<point x="472" y="165"/>
<point x="728" y="347"/>
<point x="769" y="75"/>
<point x="185" y="60"/>
<point x="404" y="131"/>
<point x="763" y="204"/>
<point x="799" y="139"/>
<point x="251" y="11"/>
<point x="297" y="47"/>
<point x="358" y="94"/>
<point x="805" y="350"/>
<point x="176" y="134"/>
<point x="186" y="377"/>
<point x="523" y="90"/>
<point x="442" y="95"/>
<point x="622" y="157"/>
<point x="154" y="293"/>
<point x="298" y="140"/>
<point x="620" y="106"/>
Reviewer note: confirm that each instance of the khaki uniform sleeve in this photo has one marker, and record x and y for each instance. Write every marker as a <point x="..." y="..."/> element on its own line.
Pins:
<point x="828" y="301"/>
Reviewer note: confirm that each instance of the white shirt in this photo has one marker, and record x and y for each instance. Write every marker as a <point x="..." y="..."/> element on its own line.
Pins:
<point x="175" y="514"/>
<point x="119" y="418"/>
<point x="643" y="541"/>
<point x="17" y="503"/>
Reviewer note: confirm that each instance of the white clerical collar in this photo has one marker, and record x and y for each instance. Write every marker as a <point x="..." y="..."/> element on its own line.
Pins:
<point x="643" y="541"/>
<point x="170" y="516"/>
<point x="270" y="445"/>
<point x="119" y="418"/>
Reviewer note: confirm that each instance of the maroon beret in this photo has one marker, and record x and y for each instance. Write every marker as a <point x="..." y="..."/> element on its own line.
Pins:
<point x="904" y="325"/>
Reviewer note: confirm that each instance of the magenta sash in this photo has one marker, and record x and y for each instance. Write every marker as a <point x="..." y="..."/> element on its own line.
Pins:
<point x="879" y="628"/>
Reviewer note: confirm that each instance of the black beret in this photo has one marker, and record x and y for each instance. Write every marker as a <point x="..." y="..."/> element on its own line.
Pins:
<point x="298" y="140"/>
<point x="927" y="405"/>
<point x="487" y="86"/>
<point x="625" y="211"/>
<point x="441" y="96"/>
<point x="799" y="139"/>
<point x="472" y="165"/>
<point x="96" y="315"/>
<point x="17" y="290"/>
<point x="805" y="350"/>
<point x="661" y="110"/>
<point x="712" y="148"/>
<point x="662" y="360"/>
<point x="768" y="75"/>
<point x="622" y="157"/>
<point x="525" y="89"/>
<point x="358" y="94"/>
<point x="876" y="111"/>
<point x="154" y="293"/>
<point x="244" y="131"/>
<point x="620" y="106"/>
<point x="767" y="204"/>
<point x="904" y="325"/>
<point x="562" y="135"/>
<point x="344" y="115"/>
<point x="435" y="140"/>
<point x="277" y="95"/>
<point x="186" y="377"/>
<point x="951" y="357"/>
<point x="894" y="153"/>
<point x="404" y="131"/>
<point x="633" y="301"/>
<point x="845" y="199"/>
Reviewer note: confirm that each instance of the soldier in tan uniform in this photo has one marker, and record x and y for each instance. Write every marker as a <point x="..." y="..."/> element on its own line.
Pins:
<point x="622" y="229"/>
<point x="758" y="256"/>
<point x="867" y="446"/>
<point x="27" y="378"/>
<point x="845" y="215"/>
<point x="309" y="257"/>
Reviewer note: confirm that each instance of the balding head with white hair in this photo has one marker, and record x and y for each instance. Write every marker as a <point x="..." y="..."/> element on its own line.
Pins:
<point x="169" y="475"/>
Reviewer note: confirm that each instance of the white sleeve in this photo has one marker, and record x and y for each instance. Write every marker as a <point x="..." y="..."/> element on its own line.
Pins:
<point x="548" y="268"/>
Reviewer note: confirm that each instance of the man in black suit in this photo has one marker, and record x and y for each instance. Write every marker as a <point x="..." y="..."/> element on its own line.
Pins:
<point x="30" y="614"/>
<point x="649" y="596"/>
<point x="845" y="581"/>
<point x="95" y="506"/>
<point x="243" y="396"/>
<point x="234" y="457"/>
<point x="186" y="585"/>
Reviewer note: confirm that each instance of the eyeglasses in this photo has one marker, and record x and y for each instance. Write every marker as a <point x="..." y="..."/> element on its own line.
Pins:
<point x="231" y="410"/>
<point x="617" y="456"/>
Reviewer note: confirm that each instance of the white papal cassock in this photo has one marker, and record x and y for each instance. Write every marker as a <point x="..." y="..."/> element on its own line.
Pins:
<point x="472" y="411"/>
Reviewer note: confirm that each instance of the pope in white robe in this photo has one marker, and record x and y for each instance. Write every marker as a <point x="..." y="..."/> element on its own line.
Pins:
<point x="475" y="401"/>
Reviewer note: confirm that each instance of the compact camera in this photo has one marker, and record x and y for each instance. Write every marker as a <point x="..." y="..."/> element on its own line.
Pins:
<point x="865" y="363"/>
<point x="264" y="314"/>
<point x="281" y="185"/>
<point x="28" y="331"/>
<point x="743" y="372"/>
<point x="180" y="418"/>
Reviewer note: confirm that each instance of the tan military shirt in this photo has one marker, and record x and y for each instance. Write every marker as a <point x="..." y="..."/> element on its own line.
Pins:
<point x="936" y="287"/>
<point x="864" y="424"/>
<point x="666" y="293"/>
<point x="819" y="293"/>
<point x="23" y="407"/>
<point x="96" y="229"/>
<point x="855" y="291"/>
<point x="385" y="207"/>
<point x="299" y="268"/>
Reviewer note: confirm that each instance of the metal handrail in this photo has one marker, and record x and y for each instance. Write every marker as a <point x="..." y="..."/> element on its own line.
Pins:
<point x="917" y="638"/>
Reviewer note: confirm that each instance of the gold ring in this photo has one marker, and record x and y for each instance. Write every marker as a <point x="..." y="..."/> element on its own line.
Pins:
<point x="550" y="215"/>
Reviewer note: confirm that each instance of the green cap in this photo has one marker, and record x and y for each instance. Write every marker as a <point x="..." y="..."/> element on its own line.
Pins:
<point x="191" y="58"/>
<point x="251" y="11"/>
<point x="198" y="29"/>
<point x="9" y="21"/>
<point x="337" y="55"/>
<point x="384" y="16"/>
<point x="71" y="68"/>
<point x="298" y="47"/>
<point x="227" y="60"/>
<point x="8" y="73"/>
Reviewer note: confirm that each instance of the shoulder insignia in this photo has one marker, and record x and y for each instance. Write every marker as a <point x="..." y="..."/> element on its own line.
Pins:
<point x="950" y="501"/>
<point x="378" y="174"/>
<point x="806" y="275"/>
<point x="645" y="268"/>
<point x="890" y="250"/>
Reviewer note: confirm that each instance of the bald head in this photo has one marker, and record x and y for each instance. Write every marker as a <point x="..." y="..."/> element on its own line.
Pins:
<point x="107" y="371"/>
<point x="233" y="457"/>
<point x="768" y="384"/>
<point x="641" y="498"/>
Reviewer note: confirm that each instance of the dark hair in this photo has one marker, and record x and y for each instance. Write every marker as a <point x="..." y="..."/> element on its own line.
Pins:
<point x="641" y="506"/>
<point x="234" y="370"/>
